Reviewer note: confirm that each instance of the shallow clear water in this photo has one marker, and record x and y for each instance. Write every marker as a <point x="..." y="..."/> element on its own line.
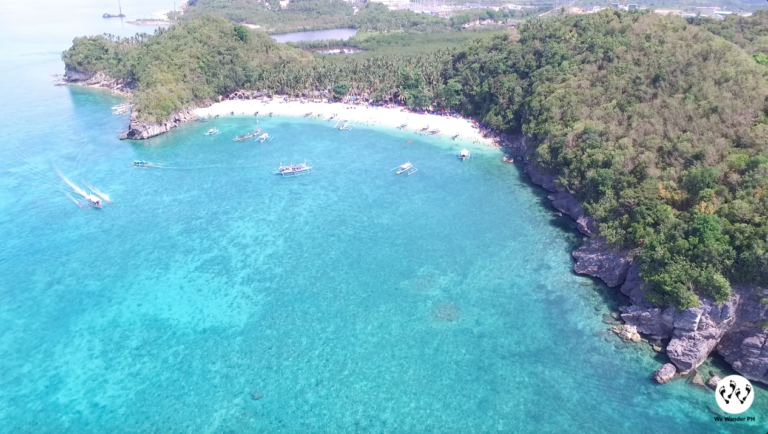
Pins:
<point x="351" y="298"/>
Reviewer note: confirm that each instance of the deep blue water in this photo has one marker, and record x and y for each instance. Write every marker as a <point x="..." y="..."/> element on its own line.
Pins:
<point x="350" y="298"/>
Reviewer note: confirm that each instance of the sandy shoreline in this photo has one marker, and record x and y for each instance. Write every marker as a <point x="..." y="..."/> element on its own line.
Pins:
<point x="356" y="115"/>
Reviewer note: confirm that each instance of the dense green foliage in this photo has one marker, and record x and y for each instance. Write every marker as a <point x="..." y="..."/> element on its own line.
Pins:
<point x="658" y="126"/>
<point x="749" y="33"/>
<point x="314" y="15"/>
<point x="298" y="15"/>
<point x="189" y="62"/>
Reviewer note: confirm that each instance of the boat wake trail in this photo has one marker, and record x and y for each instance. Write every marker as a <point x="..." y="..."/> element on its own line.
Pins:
<point x="71" y="184"/>
<point x="98" y="192"/>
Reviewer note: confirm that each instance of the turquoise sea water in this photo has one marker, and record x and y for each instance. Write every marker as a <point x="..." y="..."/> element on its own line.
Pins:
<point x="352" y="299"/>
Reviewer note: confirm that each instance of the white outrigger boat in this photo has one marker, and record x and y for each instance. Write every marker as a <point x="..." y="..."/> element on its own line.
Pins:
<point x="464" y="154"/>
<point x="403" y="168"/>
<point x="212" y="132"/>
<point x="262" y="138"/>
<point x="293" y="169"/>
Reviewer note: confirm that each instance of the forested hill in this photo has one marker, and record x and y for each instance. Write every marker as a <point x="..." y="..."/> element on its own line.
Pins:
<point x="658" y="127"/>
<point x="656" y="124"/>
<point x="189" y="62"/>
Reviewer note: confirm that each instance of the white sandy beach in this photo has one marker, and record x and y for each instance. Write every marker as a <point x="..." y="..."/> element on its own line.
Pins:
<point x="356" y="115"/>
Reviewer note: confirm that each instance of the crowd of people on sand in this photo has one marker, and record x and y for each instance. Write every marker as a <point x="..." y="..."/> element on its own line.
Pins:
<point x="498" y="140"/>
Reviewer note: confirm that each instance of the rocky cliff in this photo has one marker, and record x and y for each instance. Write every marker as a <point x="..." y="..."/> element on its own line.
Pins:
<point x="737" y="329"/>
<point x="98" y="79"/>
<point x="139" y="130"/>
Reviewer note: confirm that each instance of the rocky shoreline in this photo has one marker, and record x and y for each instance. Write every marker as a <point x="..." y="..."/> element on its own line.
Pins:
<point x="737" y="329"/>
<point x="137" y="129"/>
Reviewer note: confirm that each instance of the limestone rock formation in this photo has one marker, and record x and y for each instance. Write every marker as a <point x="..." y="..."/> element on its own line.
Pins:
<point x="597" y="259"/>
<point x="548" y="182"/>
<point x="98" y="79"/>
<point x="665" y="373"/>
<point x="566" y="203"/>
<point x="745" y="346"/>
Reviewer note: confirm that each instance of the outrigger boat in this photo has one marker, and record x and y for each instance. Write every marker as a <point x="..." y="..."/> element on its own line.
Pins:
<point x="403" y="168"/>
<point x="402" y="126"/>
<point x="212" y="132"/>
<point x="141" y="164"/>
<point x="293" y="169"/>
<point x="243" y="137"/>
<point x="201" y="119"/>
<point x="425" y="128"/>
<point x="263" y="137"/>
<point x="455" y="137"/>
<point x="464" y="154"/>
<point x="435" y="131"/>
<point x="308" y="115"/>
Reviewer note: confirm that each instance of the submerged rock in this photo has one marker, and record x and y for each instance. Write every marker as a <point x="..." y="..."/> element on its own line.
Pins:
<point x="256" y="396"/>
<point x="696" y="380"/>
<point x="665" y="373"/>
<point x="447" y="312"/>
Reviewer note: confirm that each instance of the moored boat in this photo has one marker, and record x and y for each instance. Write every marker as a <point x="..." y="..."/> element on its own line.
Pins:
<point x="464" y="154"/>
<point x="402" y="126"/>
<point x="435" y="131"/>
<point x="212" y="132"/>
<point x="403" y="168"/>
<point x="263" y="137"/>
<point x="293" y="169"/>
<point x="243" y="137"/>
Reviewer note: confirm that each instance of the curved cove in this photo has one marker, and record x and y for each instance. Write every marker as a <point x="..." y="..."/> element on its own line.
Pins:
<point x="348" y="297"/>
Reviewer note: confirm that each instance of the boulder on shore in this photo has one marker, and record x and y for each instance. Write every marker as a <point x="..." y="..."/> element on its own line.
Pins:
<point x="665" y="373"/>
<point x="713" y="381"/>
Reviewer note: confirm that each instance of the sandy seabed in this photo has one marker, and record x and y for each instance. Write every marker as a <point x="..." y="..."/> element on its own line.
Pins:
<point x="355" y="115"/>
